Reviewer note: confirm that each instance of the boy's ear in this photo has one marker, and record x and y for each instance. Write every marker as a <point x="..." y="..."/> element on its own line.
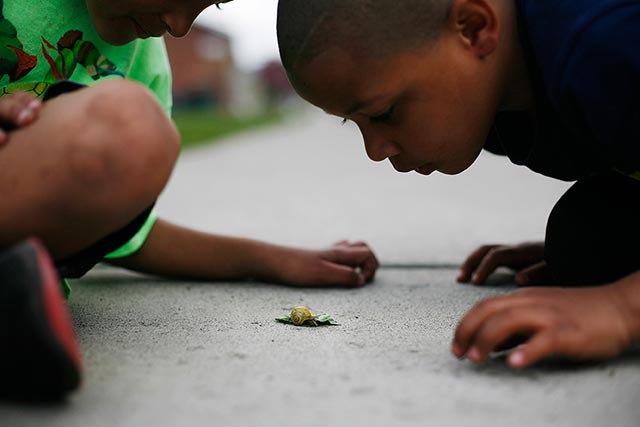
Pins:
<point x="476" y="24"/>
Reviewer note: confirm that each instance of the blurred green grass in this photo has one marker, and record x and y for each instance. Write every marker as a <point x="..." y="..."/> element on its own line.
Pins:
<point x="199" y="127"/>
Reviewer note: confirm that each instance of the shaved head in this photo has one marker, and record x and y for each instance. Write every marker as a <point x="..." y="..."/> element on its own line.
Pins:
<point x="372" y="28"/>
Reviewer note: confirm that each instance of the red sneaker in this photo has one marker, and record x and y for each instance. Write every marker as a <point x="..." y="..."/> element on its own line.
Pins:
<point x="39" y="354"/>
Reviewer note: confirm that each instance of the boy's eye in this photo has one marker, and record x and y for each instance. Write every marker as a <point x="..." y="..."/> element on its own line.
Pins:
<point x="382" y="116"/>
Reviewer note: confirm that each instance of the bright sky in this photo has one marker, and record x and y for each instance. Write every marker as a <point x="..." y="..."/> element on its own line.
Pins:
<point x="252" y="27"/>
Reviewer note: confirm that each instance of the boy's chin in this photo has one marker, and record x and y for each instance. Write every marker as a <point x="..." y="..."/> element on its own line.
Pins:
<point x="115" y="37"/>
<point x="461" y="165"/>
<point x="455" y="169"/>
<point x="117" y="40"/>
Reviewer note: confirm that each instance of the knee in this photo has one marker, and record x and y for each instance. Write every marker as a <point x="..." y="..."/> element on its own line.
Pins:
<point x="125" y="141"/>
<point x="563" y="252"/>
<point x="590" y="232"/>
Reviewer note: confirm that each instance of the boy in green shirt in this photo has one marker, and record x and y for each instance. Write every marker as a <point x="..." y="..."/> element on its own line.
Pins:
<point x="82" y="170"/>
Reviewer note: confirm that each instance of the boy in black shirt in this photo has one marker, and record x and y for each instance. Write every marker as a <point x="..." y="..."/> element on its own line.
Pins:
<point x="551" y="84"/>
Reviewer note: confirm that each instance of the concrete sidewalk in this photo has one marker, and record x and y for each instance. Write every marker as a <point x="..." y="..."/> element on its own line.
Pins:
<point x="310" y="183"/>
<point x="168" y="353"/>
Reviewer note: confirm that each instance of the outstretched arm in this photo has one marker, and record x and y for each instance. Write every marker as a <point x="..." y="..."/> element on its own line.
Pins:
<point x="582" y="323"/>
<point x="175" y="251"/>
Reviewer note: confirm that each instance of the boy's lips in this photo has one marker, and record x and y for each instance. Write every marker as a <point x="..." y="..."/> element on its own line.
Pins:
<point x="427" y="169"/>
<point x="400" y="168"/>
<point x="149" y="32"/>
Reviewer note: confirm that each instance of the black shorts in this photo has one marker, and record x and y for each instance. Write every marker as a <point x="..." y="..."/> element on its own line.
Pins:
<point x="78" y="264"/>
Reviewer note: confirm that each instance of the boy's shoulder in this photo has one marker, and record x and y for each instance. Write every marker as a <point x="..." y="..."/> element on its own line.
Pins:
<point x="585" y="66"/>
<point x="558" y="31"/>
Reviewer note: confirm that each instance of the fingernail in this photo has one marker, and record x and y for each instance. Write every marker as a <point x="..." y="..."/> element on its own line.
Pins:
<point x="476" y="279"/>
<point x="474" y="354"/>
<point x="457" y="350"/>
<point x="24" y="115"/>
<point x="516" y="359"/>
<point x="460" y="276"/>
<point x="34" y="104"/>
<point x="361" y="279"/>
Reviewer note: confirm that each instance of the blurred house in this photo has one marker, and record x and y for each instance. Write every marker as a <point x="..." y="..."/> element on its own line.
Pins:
<point x="202" y="67"/>
<point x="275" y="84"/>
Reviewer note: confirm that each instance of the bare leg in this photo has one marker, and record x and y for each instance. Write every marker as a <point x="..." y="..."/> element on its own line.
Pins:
<point x="92" y="161"/>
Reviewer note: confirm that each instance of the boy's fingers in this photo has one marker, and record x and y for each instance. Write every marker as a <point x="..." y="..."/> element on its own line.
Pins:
<point x="538" y="346"/>
<point x="336" y="274"/>
<point x="370" y="264"/>
<point x="494" y="258"/>
<point x="359" y="243"/>
<point x="504" y="325"/>
<point x="19" y="109"/>
<point x="349" y="244"/>
<point x="537" y="274"/>
<point x="29" y="113"/>
<point x="473" y="320"/>
<point x="472" y="262"/>
<point x="361" y="257"/>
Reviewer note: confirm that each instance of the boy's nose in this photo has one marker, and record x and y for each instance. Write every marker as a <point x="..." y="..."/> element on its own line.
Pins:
<point x="379" y="148"/>
<point x="179" y="23"/>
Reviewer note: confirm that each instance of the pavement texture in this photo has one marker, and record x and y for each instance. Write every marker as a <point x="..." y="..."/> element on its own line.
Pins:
<point x="168" y="353"/>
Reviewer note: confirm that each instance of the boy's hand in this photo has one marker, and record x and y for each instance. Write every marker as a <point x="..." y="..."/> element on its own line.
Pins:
<point x="17" y="110"/>
<point x="525" y="258"/>
<point x="345" y="263"/>
<point x="586" y="323"/>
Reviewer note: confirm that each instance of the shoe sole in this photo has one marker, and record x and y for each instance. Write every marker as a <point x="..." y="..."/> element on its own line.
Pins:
<point x="45" y="354"/>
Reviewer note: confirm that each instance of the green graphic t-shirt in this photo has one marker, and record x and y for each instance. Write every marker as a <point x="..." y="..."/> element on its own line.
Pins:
<point x="44" y="41"/>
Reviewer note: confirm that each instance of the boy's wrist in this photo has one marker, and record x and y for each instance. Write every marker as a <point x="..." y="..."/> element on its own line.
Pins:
<point x="627" y="291"/>
<point x="266" y="261"/>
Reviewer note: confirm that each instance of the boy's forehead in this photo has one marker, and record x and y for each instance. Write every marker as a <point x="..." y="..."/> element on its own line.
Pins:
<point x="330" y="69"/>
<point x="340" y="83"/>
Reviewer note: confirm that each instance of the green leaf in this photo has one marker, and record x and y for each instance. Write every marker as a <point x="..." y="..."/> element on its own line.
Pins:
<point x="325" y="318"/>
<point x="284" y="319"/>
<point x="322" y="319"/>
